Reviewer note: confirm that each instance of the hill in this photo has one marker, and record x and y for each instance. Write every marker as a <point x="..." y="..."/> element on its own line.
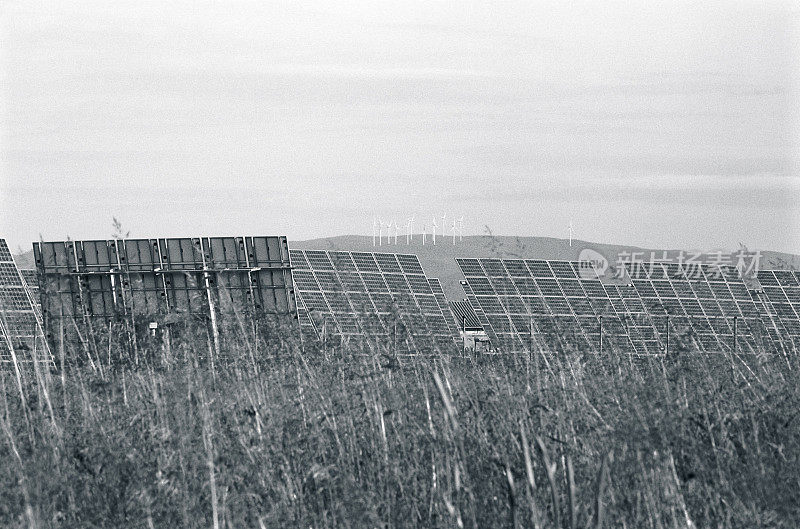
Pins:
<point x="25" y="260"/>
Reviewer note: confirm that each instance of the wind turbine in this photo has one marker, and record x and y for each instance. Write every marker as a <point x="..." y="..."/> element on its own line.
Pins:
<point x="380" y="232"/>
<point x="454" y="232"/>
<point x="424" y="232"/>
<point x="374" y="224"/>
<point x="570" y="232"/>
<point x="395" y="232"/>
<point x="434" y="231"/>
<point x="410" y="230"/>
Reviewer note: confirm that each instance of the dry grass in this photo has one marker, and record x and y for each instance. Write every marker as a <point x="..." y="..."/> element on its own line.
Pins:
<point x="270" y="437"/>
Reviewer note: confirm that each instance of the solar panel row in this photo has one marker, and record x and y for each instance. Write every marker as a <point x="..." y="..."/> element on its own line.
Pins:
<point x="20" y="322"/>
<point x="519" y="302"/>
<point x="355" y="294"/>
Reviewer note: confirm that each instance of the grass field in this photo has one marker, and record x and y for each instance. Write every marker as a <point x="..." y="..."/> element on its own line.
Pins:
<point x="334" y="439"/>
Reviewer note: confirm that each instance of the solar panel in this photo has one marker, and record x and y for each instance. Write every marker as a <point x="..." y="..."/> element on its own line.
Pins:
<point x="516" y="268"/>
<point x="410" y="264"/>
<point x="519" y="302"/>
<point x="388" y="263"/>
<point x="373" y="295"/>
<point x="95" y="282"/>
<point x="539" y="268"/>
<point x="563" y="269"/>
<point x="343" y="261"/>
<point x="318" y="260"/>
<point x="365" y="262"/>
<point x="494" y="267"/>
<point x="471" y="267"/>
<point x="20" y="318"/>
<point x="548" y="287"/>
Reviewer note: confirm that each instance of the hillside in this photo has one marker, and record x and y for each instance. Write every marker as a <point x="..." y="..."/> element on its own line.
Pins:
<point x="25" y="260"/>
<point x="439" y="261"/>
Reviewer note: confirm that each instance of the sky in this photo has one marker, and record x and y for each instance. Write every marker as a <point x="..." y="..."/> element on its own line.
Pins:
<point x="662" y="125"/>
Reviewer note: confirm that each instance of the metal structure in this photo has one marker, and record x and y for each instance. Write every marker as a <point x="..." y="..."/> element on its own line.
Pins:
<point x="552" y="305"/>
<point x="86" y="284"/>
<point x="444" y="306"/>
<point x="21" y="334"/>
<point x="31" y="279"/>
<point x="368" y="297"/>
<point x="465" y="316"/>
<point x="638" y="322"/>
<point x="780" y="298"/>
<point x="696" y="306"/>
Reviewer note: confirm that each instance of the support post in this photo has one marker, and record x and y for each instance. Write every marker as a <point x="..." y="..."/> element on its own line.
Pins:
<point x="530" y="336"/>
<point x="211" y="308"/>
<point x="464" y="335"/>
<point x="600" y="322"/>
<point x="735" y="338"/>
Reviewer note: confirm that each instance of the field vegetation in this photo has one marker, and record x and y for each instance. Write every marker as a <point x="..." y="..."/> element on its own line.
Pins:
<point x="279" y="435"/>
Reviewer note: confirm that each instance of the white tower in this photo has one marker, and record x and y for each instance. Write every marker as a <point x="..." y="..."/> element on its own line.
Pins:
<point x="570" y="232"/>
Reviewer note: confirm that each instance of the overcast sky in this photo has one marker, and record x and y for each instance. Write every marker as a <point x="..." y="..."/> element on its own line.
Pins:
<point x="655" y="125"/>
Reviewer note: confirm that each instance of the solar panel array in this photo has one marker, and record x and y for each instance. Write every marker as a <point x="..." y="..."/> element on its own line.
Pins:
<point x="699" y="304"/>
<point x="362" y="294"/>
<point x="20" y="324"/>
<point x="104" y="279"/>
<point x="555" y="305"/>
<point x="780" y="296"/>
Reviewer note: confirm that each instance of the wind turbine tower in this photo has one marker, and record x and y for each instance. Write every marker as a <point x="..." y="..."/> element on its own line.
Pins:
<point x="570" y="232"/>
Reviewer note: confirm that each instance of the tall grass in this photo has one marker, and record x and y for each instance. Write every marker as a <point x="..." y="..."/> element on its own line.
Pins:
<point x="279" y="437"/>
